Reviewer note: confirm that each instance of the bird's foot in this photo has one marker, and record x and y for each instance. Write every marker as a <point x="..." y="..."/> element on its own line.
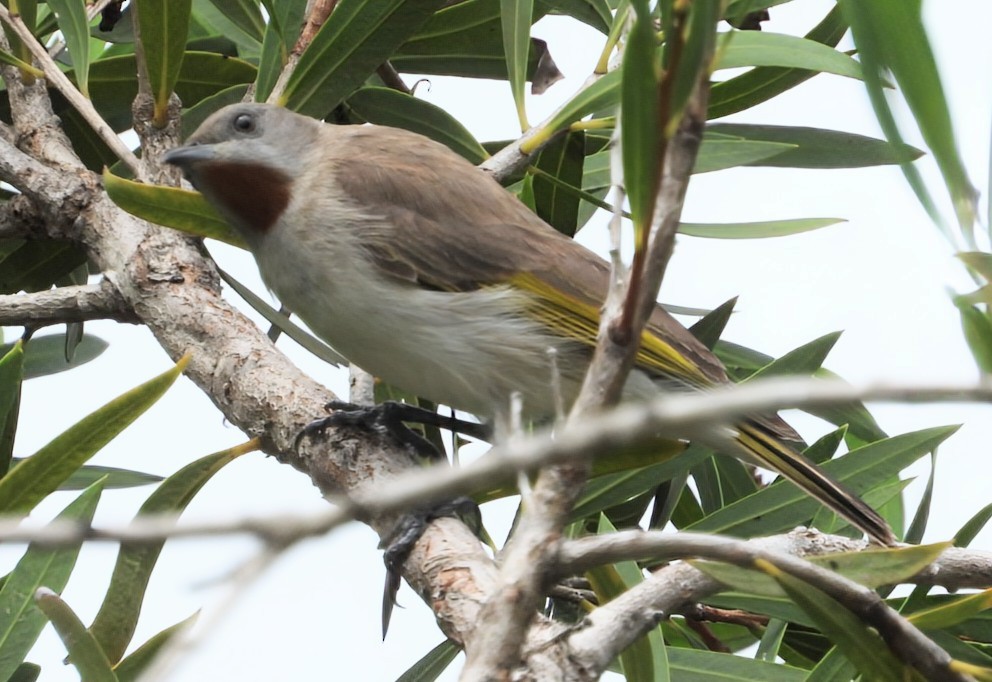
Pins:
<point x="405" y="535"/>
<point x="391" y="416"/>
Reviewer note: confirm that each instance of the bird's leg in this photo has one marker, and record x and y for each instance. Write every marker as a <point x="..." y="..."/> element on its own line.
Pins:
<point x="405" y="534"/>
<point x="391" y="416"/>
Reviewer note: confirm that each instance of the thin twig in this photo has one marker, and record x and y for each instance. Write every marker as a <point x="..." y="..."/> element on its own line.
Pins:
<point x="62" y="83"/>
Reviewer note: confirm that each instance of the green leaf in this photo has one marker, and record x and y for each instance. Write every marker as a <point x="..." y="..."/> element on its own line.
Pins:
<point x="8" y="58"/>
<point x="114" y="624"/>
<point x="562" y="159"/>
<point x="819" y="148"/>
<point x="466" y="39"/>
<point x="202" y="74"/>
<point x="385" y="106"/>
<point x="516" y="17"/>
<point x="761" y="48"/>
<point x="293" y="331"/>
<point x="640" y="114"/>
<point x="719" y="154"/>
<point x="360" y="36"/>
<point x="37" y="476"/>
<point x="285" y="20"/>
<point x="872" y="568"/>
<point x="978" y="262"/>
<point x="834" y="667"/>
<point x="914" y="534"/>
<point x="955" y="611"/>
<point x="826" y="446"/>
<point x="973" y="526"/>
<point x="695" y="45"/>
<point x="245" y="15"/>
<point x="600" y="95"/>
<point x="163" y="26"/>
<point x="26" y="672"/>
<point x="177" y="208"/>
<point x="22" y="622"/>
<point x="781" y="506"/>
<point x="688" y="665"/>
<point x="765" y="82"/>
<point x="37" y="265"/>
<point x="977" y="329"/>
<point x="434" y="662"/>
<point x="134" y="665"/>
<point x="595" y="13"/>
<point x="645" y="660"/>
<point x="709" y="329"/>
<point x="759" y="230"/>
<point x="890" y="36"/>
<point x="199" y="112"/>
<point x="43" y="355"/>
<point x="112" y="477"/>
<point x="11" y="376"/>
<point x="861" y="644"/>
<point x="604" y="492"/>
<point x="803" y="360"/>
<point x="75" y="29"/>
<point x="84" y="652"/>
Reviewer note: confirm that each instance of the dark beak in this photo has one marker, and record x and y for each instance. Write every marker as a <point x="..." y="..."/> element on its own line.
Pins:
<point x="189" y="155"/>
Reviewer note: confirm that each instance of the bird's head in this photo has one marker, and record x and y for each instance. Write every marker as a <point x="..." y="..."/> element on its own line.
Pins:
<point x="244" y="158"/>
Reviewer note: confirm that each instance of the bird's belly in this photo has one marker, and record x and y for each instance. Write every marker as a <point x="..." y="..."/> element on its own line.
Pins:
<point x="469" y="350"/>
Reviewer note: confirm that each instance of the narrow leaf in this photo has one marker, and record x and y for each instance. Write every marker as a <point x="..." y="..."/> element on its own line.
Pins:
<point x="781" y="506"/>
<point x="75" y="29"/>
<point x="862" y="645"/>
<point x="890" y="37"/>
<point x="163" y="26"/>
<point x="434" y="662"/>
<point x="765" y="82"/>
<point x="819" y="148"/>
<point x="292" y="330"/>
<point x="358" y="37"/>
<point x="177" y="208"/>
<point x="761" y="48"/>
<point x="562" y="159"/>
<point x="131" y="668"/>
<point x="37" y="476"/>
<point x="22" y="622"/>
<point x="759" y="230"/>
<point x="516" y="16"/>
<point x="872" y="568"/>
<point x="385" y="106"/>
<point x="114" y="625"/>
<point x="640" y="134"/>
<point x="84" y="652"/>
<point x="11" y="375"/>
<point x="43" y="355"/>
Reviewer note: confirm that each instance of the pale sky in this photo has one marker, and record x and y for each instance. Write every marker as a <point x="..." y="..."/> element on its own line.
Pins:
<point x="882" y="277"/>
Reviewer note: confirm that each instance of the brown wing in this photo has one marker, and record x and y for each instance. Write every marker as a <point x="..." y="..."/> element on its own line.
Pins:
<point x="466" y="231"/>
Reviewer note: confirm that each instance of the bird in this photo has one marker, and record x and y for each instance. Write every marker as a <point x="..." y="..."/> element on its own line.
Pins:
<point x="424" y="271"/>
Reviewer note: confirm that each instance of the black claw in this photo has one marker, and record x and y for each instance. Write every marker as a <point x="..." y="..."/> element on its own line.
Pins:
<point x="404" y="536"/>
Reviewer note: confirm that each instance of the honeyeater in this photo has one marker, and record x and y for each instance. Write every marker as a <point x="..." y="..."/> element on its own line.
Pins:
<point x="423" y="270"/>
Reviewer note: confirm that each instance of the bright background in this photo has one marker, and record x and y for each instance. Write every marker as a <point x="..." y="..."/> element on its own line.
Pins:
<point x="882" y="277"/>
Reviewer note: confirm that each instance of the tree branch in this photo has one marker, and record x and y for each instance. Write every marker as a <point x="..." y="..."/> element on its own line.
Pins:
<point x="65" y="304"/>
<point x="614" y="626"/>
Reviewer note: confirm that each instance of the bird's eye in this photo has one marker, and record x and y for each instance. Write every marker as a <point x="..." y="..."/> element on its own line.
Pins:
<point x="244" y="123"/>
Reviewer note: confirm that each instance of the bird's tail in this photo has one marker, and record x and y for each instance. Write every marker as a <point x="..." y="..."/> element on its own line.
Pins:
<point x="769" y="451"/>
